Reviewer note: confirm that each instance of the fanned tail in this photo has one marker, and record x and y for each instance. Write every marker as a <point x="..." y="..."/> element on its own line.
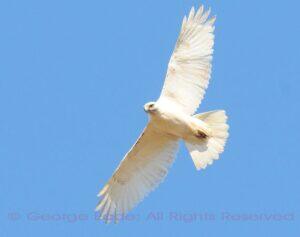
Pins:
<point x="205" y="151"/>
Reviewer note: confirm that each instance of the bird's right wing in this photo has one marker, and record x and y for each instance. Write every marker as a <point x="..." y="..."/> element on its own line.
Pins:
<point x="141" y="170"/>
<point x="190" y="64"/>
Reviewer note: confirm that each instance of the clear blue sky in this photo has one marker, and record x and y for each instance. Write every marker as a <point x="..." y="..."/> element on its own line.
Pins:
<point x="74" y="76"/>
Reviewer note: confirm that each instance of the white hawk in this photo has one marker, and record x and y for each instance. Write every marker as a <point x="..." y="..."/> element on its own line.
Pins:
<point x="171" y="118"/>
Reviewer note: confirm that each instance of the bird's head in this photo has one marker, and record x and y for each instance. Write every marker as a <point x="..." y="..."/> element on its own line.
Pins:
<point x="150" y="107"/>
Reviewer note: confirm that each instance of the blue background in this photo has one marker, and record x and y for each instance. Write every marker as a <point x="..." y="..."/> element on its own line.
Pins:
<point x="74" y="76"/>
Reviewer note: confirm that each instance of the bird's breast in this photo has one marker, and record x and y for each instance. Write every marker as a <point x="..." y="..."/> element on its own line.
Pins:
<point x="171" y="123"/>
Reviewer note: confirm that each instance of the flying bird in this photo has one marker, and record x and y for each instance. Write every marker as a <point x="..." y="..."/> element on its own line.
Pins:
<point x="171" y="118"/>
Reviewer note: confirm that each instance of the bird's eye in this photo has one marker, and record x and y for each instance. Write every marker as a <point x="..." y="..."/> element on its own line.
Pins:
<point x="151" y="105"/>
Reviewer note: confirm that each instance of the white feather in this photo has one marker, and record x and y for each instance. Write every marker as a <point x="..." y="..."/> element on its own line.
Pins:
<point x="204" y="152"/>
<point x="142" y="169"/>
<point x="189" y="68"/>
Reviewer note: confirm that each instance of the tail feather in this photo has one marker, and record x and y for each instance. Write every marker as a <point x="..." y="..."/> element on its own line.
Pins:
<point x="204" y="152"/>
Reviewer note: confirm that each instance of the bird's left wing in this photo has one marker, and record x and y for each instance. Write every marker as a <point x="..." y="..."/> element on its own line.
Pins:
<point x="190" y="64"/>
<point x="141" y="170"/>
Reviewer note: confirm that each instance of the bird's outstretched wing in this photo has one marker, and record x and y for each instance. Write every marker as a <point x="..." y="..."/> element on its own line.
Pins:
<point x="141" y="170"/>
<point x="189" y="68"/>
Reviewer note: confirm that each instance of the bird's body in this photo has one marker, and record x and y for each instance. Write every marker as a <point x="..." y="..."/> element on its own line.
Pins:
<point x="171" y="118"/>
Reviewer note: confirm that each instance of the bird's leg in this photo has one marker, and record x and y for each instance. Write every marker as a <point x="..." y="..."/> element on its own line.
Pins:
<point x="200" y="134"/>
<point x="200" y="129"/>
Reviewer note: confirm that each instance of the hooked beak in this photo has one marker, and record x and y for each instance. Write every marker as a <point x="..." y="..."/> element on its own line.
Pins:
<point x="150" y="108"/>
<point x="145" y="109"/>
